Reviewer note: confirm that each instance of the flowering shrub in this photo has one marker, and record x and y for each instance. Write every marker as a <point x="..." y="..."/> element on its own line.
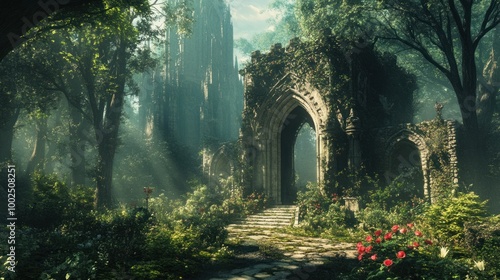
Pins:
<point x="321" y="212"/>
<point x="404" y="251"/>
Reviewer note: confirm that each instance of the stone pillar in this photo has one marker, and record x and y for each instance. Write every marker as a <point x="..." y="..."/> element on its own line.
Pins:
<point x="353" y="131"/>
<point x="452" y="150"/>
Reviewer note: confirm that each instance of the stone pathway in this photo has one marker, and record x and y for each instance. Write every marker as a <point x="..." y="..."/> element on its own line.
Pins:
<point x="269" y="254"/>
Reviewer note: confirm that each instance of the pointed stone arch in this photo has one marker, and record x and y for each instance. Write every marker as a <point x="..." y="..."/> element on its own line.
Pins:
<point x="282" y="107"/>
<point x="405" y="137"/>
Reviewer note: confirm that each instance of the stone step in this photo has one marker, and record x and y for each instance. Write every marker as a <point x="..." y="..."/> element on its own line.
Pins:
<point x="270" y="218"/>
<point x="244" y="227"/>
<point x="276" y="222"/>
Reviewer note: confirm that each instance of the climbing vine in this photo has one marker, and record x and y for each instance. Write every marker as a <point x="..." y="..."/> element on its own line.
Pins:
<point x="346" y="75"/>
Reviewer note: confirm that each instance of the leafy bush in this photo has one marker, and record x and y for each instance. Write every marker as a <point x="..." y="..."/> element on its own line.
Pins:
<point x="446" y="218"/>
<point x="482" y="239"/>
<point x="403" y="252"/>
<point x="320" y="212"/>
<point x="50" y="197"/>
<point x="172" y="241"/>
<point x="397" y="203"/>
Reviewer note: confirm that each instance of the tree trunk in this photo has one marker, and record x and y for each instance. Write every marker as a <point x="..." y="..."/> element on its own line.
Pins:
<point x="109" y="134"/>
<point x="104" y="177"/>
<point x="77" y="147"/>
<point x="7" y="135"/>
<point x="489" y="83"/>
<point x="37" y="159"/>
<point x="52" y="145"/>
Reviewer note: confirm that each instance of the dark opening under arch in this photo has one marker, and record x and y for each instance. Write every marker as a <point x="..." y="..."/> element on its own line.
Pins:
<point x="406" y="165"/>
<point x="289" y="131"/>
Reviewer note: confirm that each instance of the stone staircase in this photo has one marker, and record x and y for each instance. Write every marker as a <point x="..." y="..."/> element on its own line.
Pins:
<point x="278" y="216"/>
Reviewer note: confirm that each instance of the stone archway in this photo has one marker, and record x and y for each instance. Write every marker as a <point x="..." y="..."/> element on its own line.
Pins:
<point x="221" y="165"/>
<point x="407" y="150"/>
<point x="275" y="128"/>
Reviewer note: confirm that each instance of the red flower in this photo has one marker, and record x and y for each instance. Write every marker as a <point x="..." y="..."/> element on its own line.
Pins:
<point x="416" y="244"/>
<point x="395" y="228"/>
<point x="388" y="262"/>
<point x="359" y="245"/>
<point x="401" y="254"/>
<point x="368" y="249"/>
<point x="428" y="242"/>
<point x="360" y="257"/>
<point x="378" y="240"/>
<point x="361" y="249"/>
<point x="374" y="257"/>
<point x="410" y="247"/>
<point x="403" y="230"/>
<point x="369" y="238"/>
<point x="378" y="232"/>
<point x="388" y="236"/>
<point x="418" y="233"/>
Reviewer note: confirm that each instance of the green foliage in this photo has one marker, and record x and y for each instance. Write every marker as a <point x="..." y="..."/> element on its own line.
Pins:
<point x="403" y="252"/>
<point x="49" y="202"/>
<point x="446" y="219"/>
<point x="320" y="212"/>
<point x="345" y="18"/>
<point x="400" y="202"/>
<point x="482" y="239"/>
<point x="74" y="241"/>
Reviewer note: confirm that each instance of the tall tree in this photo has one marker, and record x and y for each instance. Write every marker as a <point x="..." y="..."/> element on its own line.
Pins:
<point x="102" y="57"/>
<point x="447" y="35"/>
<point x="94" y="65"/>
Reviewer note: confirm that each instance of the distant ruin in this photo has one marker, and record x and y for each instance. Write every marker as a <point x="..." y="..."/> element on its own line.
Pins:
<point x="195" y="97"/>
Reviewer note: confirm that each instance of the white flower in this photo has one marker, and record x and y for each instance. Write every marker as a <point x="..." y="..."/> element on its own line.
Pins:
<point x="480" y="265"/>
<point x="444" y="252"/>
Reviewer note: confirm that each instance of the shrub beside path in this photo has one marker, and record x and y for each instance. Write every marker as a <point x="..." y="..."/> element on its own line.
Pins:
<point x="269" y="253"/>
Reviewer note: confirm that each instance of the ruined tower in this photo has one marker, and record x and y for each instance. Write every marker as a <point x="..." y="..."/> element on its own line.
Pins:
<point x="203" y="91"/>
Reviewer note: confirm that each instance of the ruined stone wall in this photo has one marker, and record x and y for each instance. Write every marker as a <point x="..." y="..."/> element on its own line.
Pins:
<point x="360" y="122"/>
<point x="435" y="153"/>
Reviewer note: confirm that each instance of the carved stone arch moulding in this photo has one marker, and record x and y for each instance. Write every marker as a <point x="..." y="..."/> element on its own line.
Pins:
<point x="407" y="135"/>
<point x="221" y="165"/>
<point x="272" y="117"/>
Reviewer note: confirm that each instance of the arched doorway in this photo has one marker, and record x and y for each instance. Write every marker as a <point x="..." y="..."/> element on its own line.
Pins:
<point x="406" y="166"/>
<point x="290" y="129"/>
<point x="269" y="134"/>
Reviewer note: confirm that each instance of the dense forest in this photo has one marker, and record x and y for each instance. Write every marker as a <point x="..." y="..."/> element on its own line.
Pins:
<point x="111" y="112"/>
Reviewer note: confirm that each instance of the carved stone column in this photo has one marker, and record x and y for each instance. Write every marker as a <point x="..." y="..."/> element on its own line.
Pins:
<point x="353" y="131"/>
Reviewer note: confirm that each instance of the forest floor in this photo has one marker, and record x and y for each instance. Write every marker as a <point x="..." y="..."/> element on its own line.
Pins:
<point x="271" y="254"/>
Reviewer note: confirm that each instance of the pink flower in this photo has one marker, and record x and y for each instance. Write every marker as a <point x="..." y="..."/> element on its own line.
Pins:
<point x="395" y="228"/>
<point x="418" y="233"/>
<point x="374" y="257"/>
<point x="403" y="230"/>
<point x="388" y="236"/>
<point x="410" y="225"/>
<point x="401" y="254"/>
<point x="369" y="238"/>
<point x="388" y="262"/>
<point x="378" y="232"/>
<point x="428" y="242"/>
<point x="378" y="240"/>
